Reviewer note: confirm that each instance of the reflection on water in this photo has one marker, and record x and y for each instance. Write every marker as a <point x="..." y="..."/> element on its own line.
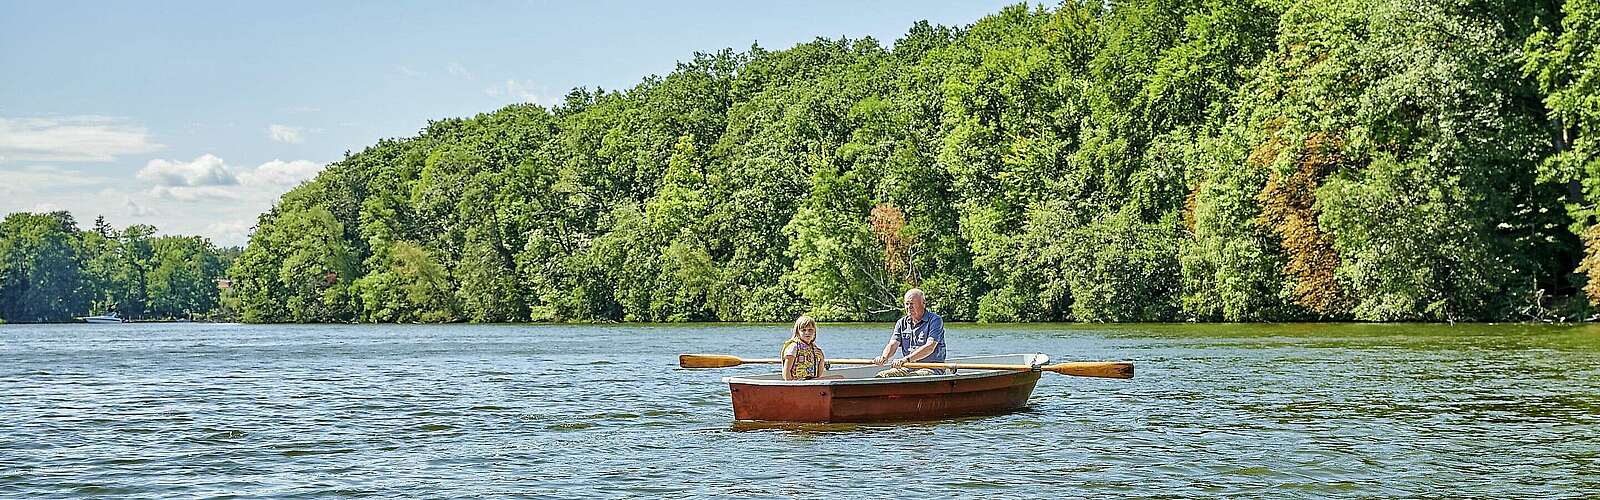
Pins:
<point x="801" y="428"/>
<point x="1301" y="410"/>
<point x="796" y="428"/>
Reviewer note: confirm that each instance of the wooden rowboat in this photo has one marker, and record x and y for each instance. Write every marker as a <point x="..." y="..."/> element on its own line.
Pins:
<point x="859" y="397"/>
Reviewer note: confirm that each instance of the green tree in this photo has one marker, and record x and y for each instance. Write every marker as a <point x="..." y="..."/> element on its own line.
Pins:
<point x="1564" y="62"/>
<point x="40" y="278"/>
<point x="182" y="277"/>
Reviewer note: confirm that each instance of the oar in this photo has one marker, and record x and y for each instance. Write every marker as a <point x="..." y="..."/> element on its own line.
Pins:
<point x="1102" y="369"/>
<point x="724" y="361"/>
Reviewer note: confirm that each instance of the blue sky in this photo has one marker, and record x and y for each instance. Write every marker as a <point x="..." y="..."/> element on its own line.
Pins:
<point x="195" y="116"/>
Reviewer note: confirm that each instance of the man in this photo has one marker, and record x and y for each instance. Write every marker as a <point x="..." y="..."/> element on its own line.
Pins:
<point x="920" y="337"/>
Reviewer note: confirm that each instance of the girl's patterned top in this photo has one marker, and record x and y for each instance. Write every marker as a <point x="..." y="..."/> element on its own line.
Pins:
<point x="807" y="358"/>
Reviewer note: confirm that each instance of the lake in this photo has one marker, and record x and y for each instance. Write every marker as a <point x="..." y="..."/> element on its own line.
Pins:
<point x="1303" y="410"/>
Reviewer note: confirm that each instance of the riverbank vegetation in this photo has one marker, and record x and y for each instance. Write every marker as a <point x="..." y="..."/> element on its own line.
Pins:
<point x="1149" y="160"/>
<point x="51" y="271"/>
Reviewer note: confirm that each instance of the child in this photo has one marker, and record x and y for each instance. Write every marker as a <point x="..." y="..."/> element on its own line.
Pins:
<point x="802" y="359"/>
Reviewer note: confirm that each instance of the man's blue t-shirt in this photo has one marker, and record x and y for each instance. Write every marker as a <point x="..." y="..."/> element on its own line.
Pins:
<point x="911" y="337"/>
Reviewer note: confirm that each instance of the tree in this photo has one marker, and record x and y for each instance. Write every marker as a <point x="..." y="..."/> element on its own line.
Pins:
<point x="40" y="278"/>
<point x="1564" y="62"/>
<point x="182" y="277"/>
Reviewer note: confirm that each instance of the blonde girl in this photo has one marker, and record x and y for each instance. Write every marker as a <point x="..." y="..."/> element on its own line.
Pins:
<point x="802" y="359"/>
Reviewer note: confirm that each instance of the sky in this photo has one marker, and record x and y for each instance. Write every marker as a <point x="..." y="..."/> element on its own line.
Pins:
<point x="195" y="116"/>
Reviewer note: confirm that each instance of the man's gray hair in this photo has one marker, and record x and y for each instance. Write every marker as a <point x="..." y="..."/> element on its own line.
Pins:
<point x="916" y="292"/>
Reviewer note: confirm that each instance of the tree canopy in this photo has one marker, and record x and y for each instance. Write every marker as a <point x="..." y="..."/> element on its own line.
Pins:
<point x="1148" y="160"/>
<point x="52" y="271"/>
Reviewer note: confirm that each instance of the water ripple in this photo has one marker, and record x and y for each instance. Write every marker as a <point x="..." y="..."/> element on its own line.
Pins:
<point x="1309" y="411"/>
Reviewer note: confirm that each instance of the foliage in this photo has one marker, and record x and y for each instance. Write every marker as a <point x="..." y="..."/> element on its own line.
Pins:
<point x="52" y="271"/>
<point x="1150" y="160"/>
<point x="1563" y="60"/>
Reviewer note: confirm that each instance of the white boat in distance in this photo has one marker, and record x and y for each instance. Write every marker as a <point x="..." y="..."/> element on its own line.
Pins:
<point x="108" y="318"/>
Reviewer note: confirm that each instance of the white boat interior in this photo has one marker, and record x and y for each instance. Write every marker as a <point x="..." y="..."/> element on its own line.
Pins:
<point x="858" y="374"/>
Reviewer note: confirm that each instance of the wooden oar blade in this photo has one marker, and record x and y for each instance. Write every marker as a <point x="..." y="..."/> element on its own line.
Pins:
<point x="708" y="360"/>
<point x="1101" y="369"/>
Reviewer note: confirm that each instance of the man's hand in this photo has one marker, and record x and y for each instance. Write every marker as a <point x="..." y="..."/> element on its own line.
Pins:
<point x="899" y="363"/>
<point x="878" y="360"/>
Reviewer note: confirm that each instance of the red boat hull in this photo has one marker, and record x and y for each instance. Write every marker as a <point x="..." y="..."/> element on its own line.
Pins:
<point x="888" y="400"/>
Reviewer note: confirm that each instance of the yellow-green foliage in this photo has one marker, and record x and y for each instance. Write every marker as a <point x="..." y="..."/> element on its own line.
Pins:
<point x="1289" y="207"/>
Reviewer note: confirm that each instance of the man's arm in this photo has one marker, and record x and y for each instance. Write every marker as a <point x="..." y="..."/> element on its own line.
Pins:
<point x="921" y="352"/>
<point x="888" y="351"/>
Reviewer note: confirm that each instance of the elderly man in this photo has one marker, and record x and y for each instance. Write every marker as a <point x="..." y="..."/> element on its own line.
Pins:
<point x="920" y="337"/>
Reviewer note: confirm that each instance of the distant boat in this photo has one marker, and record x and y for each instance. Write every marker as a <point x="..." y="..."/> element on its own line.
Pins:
<point x="108" y="318"/>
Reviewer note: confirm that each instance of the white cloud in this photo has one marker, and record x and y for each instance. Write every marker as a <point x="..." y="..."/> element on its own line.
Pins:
<point x="407" y="71"/>
<point x="72" y="138"/>
<point x="457" y="70"/>
<point x="195" y="193"/>
<point x="522" y="91"/>
<point x="280" y="173"/>
<point x="207" y="170"/>
<point x="84" y="202"/>
<point x="177" y="196"/>
<point x="41" y="177"/>
<point x="231" y="231"/>
<point x="209" y="178"/>
<point x="286" y="134"/>
<point x="135" y="209"/>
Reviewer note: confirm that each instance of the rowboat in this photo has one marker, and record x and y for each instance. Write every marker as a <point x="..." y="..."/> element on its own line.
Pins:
<point x="859" y="397"/>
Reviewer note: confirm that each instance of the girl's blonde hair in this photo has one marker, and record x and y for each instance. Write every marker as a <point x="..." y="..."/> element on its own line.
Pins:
<point x="802" y="323"/>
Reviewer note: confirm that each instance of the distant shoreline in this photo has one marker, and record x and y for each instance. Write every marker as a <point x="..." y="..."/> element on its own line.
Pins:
<point x="779" y="323"/>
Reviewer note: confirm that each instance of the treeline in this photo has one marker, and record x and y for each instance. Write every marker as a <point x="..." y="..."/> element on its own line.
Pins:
<point x="1147" y="160"/>
<point x="52" y="271"/>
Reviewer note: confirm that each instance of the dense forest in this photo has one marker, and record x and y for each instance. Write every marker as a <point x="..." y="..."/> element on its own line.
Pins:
<point x="52" y="271"/>
<point x="1143" y="160"/>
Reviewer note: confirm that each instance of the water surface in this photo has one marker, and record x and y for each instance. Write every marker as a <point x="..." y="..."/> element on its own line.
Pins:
<point x="161" y="410"/>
